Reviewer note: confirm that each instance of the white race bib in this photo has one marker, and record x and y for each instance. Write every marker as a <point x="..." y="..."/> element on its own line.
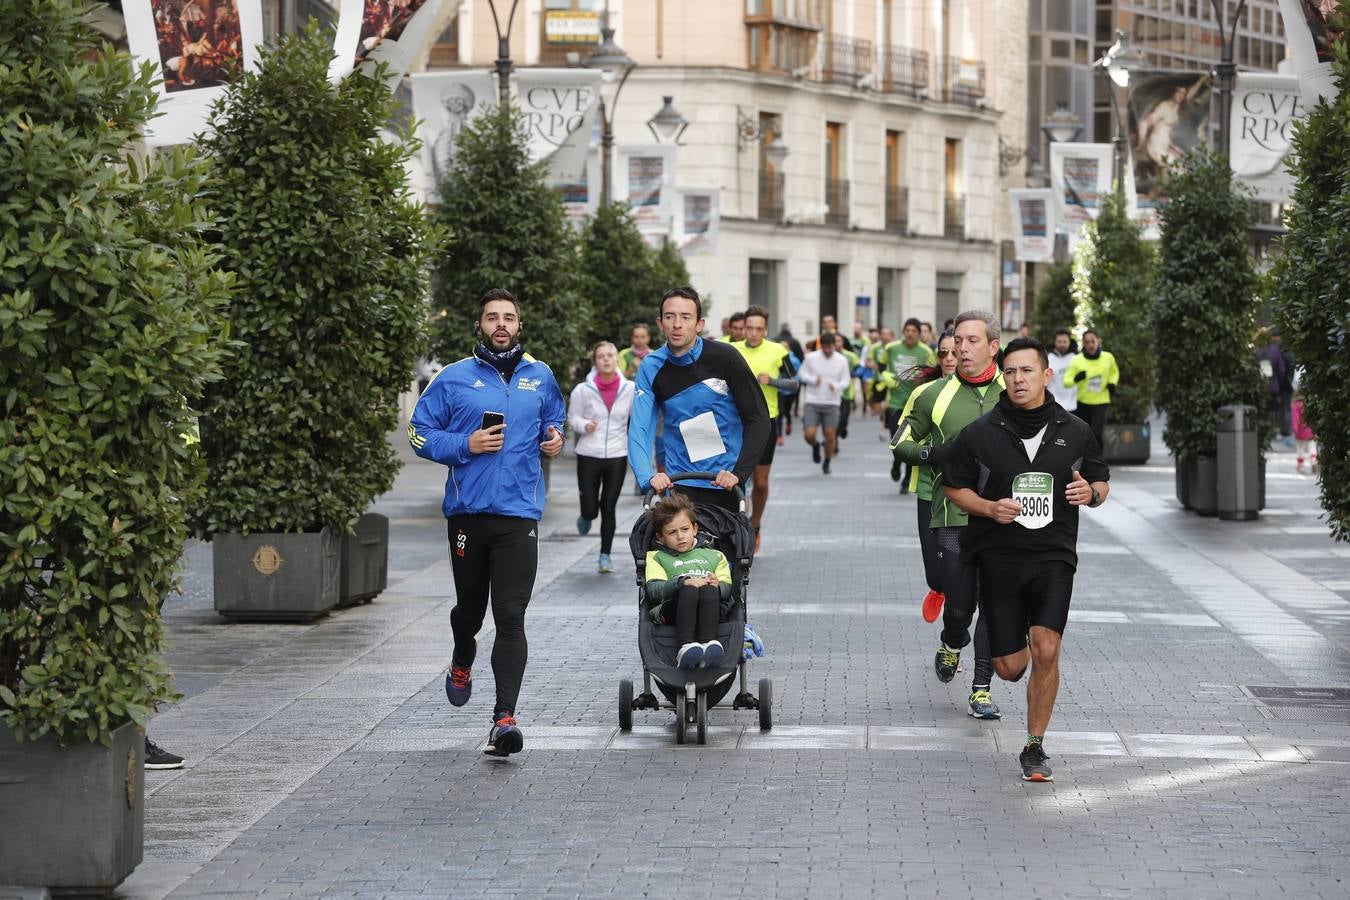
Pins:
<point x="1095" y="384"/>
<point x="1035" y="493"/>
<point x="702" y="439"/>
<point x="1267" y="368"/>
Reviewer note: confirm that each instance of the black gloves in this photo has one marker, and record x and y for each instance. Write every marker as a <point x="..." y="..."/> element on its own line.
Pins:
<point x="1081" y="376"/>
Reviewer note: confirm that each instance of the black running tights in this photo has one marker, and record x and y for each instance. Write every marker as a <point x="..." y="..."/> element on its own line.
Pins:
<point x="697" y="613"/>
<point x="932" y="569"/>
<point x="960" y="582"/>
<point x="497" y="556"/>
<point x="601" y="482"/>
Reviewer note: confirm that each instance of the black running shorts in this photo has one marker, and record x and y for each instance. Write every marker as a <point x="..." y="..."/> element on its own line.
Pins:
<point x="766" y="458"/>
<point x="1016" y="594"/>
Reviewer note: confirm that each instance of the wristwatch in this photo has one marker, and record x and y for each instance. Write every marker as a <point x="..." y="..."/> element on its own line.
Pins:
<point x="1096" y="498"/>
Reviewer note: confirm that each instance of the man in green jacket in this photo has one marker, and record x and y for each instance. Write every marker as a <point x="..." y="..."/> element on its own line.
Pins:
<point x="1095" y="375"/>
<point x="925" y="437"/>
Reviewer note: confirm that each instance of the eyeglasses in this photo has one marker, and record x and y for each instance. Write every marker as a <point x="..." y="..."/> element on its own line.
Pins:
<point x="945" y="353"/>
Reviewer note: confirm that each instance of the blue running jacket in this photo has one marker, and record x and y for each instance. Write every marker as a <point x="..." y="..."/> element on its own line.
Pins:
<point x="715" y="413"/>
<point x="506" y="483"/>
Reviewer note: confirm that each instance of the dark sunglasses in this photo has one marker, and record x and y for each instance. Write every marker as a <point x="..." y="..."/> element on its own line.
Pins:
<point x="942" y="353"/>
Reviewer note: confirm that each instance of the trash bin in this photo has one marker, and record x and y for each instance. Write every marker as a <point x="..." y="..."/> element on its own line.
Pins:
<point x="1239" y="464"/>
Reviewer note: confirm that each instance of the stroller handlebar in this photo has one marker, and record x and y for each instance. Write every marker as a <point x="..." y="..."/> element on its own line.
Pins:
<point x="693" y="476"/>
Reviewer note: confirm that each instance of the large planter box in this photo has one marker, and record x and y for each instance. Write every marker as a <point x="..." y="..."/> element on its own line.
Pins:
<point x="276" y="577"/>
<point x="74" y="816"/>
<point x="365" y="561"/>
<point x="1198" y="485"/>
<point x="1126" y="443"/>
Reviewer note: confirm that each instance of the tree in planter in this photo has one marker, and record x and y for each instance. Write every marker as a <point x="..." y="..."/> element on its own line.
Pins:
<point x="110" y="305"/>
<point x="1113" y="289"/>
<point x="1312" y="304"/>
<point x="507" y="229"/>
<point x="331" y="255"/>
<point x="623" y="276"/>
<point x="1055" y="306"/>
<point x="1206" y="307"/>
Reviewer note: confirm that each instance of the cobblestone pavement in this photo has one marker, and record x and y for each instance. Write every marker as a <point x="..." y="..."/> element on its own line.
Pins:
<point x="323" y="759"/>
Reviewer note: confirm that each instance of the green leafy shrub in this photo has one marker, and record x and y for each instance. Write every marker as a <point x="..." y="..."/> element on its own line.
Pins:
<point x="109" y="310"/>
<point x="507" y="229"/>
<point x="332" y="257"/>
<point x="1313" y="275"/>
<point x="623" y="275"/>
<point x="1206" y="306"/>
<point x="1054" y="304"/>
<point x="1114" y="271"/>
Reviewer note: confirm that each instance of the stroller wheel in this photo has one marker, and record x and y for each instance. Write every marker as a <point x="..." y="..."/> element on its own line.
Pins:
<point x="765" y="704"/>
<point x="679" y="721"/>
<point x="626" y="705"/>
<point x="702" y="716"/>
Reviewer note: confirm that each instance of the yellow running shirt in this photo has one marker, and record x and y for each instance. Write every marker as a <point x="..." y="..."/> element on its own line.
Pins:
<point x="766" y="359"/>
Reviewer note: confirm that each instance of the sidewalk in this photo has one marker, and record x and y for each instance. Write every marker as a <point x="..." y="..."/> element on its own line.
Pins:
<point x="324" y="760"/>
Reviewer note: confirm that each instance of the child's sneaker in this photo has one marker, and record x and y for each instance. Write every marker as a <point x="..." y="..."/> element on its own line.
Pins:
<point x="690" y="656"/>
<point x="605" y="564"/>
<point x="712" y="653"/>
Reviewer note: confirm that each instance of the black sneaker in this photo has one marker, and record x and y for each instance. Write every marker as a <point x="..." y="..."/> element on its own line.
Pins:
<point x="895" y="469"/>
<point x="815" y="453"/>
<point x="825" y="467"/>
<point x="1033" y="764"/>
<point x="156" y="757"/>
<point x="946" y="662"/>
<point x="504" y="738"/>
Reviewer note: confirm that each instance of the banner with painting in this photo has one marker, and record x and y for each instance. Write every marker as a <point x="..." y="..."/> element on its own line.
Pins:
<point x="698" y="221"/>
<point x="1080" y="176"/>
<point x="198" y="46"/>
<point x="444" y="103"/>
<point x="1311" y="27"/>
<point x="557" y="108"/>
<point x="581" y="196"/>
<point x="1033" y="211"/>
<point x="644" y="175"/>
<point x="391" y="31"/>
<point x="1169" y="115"/>
<point x="1265" y="108"/>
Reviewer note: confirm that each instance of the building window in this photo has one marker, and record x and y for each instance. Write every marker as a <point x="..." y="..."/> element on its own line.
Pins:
<point x="763" y="286"/>
<point x="782" y="34"/>
<point x="445" y="50"/>
<point x="771" y="182"/>
<point x="954" y="200"/>
<point x="897" y="195"/>
<point x="836" y="186"/>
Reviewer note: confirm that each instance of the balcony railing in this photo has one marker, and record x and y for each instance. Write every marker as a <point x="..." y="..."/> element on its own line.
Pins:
<point x="960" y="80"/>
<point x="902" y="70"/>
<point x="771" y="196"/>
<point x="845" y="59"/>
<point x="897" y="209"/>
<point x="954" y="216"/>
<point x="836" y="201"/>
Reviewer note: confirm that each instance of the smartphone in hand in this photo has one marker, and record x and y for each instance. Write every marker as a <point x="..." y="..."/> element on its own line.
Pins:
<point x="492" y="418"/>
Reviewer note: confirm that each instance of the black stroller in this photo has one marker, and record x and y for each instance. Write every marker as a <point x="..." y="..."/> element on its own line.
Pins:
<point x="692" y="692"/>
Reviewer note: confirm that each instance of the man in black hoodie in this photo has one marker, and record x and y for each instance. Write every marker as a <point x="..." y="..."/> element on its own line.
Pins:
<point x="1021" y="471"/>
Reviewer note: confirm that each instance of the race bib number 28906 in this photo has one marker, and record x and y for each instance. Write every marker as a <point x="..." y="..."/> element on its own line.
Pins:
<point x="1035" y="493"/>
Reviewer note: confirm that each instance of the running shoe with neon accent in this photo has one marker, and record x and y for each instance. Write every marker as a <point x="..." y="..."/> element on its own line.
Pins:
<point x="982" y="706"/>
<point x="1033" y="760"/>
<point x="504" y="738"/>
<point x="932" y="605"/>
<point x="606" y="564"/>
<point x="946" y="662"/>
<point x="459" y="684"/>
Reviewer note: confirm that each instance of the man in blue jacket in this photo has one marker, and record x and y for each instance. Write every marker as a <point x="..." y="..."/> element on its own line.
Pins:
<point x="494" y="496"/>
<point x="716" y="418"/>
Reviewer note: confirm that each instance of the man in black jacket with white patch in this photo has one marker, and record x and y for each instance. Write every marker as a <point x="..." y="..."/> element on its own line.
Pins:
<point x="1021" y="471"/>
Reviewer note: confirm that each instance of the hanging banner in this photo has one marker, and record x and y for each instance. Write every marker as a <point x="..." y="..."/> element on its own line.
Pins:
<point x="198" y="47"/>
<point x="698" y="221"/>
<point x="643" y="178"/>
<point x="558" y="109"/>
<point x="1080" y="175"/>
<point x="1169" y="115"/>
<point x="374" y="31"/>
<point x="581" y="197"/>
<point x="1033" y="224"/>
<point x="1265" y="108"/>
<point x="1310" y="33"/>
<point x="444" y="103"/>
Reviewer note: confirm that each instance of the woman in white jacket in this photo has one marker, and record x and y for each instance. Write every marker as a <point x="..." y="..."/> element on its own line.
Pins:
<point x="598" y="413"/>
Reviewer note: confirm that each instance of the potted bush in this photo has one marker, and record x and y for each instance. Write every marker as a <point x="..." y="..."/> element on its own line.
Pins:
<point x="1055" y="308"/>
<point x="331" y="255"/>
<point x="1312" y="303"/>
<point x="1204" y="314"/>
<point x="109" y="307"/>
<point x="1113" y="285"/>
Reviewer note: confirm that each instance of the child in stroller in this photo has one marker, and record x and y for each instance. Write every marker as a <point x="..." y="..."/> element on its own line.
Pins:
<point x="691" y="584"/>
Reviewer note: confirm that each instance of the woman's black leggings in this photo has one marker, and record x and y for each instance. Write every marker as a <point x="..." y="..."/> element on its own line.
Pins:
<point x="601" y="483"/>
<point x="698" y="611"/>
<point x="497" y="556"/>
<point x="932" y="566"/>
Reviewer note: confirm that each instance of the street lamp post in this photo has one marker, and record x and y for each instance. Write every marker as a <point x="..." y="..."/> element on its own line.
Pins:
<point x="667" y="125"/>
<point x="1115" y="67"/>
<point x="1061" y="126"/>
<point x="613" y="63"/>
<point x="503" y="51"/>
<point x="1226" y="70"/>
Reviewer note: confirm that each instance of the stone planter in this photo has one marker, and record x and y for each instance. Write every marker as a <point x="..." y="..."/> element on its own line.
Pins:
<point x="1126" y="443"/>
<point x="1203" y="491"/>
<point x="365" y="561"/>
<point x="74" y="816"/>
<point x="276" y="577"/>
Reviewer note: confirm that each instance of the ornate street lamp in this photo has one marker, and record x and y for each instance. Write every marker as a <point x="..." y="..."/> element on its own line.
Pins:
<point x="667" y="125"/>
<point x="503" y="51"/>
<point x="1226" y="71"/>
<point x="615" y="66"/>
<point x="1115" y="67"/>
